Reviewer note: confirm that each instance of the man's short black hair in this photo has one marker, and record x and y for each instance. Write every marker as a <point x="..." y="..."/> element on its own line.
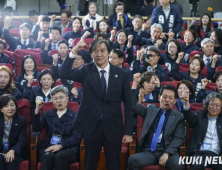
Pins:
<point x="25" y="25"/>
<point x="138" y="16"/>
<point x="168" y="87"/>
<point x="63" y="42"/>
<point x="119" y="53"/>
<point x="95" y="44"/>
<point x="46" y="19"/>
<point x="3" y="43"/>
<point x="149" y="1"/>
<point x="96" y="36"/>
<point x="33" y="13"/>
<point x="56" y="28"/>
<point x="67" y="12"/>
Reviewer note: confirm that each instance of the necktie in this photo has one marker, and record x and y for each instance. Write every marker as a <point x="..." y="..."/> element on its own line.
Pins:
<point x="24" y="43"/>
<point x="103" y="83"/>
<point x="208" y="62"/>
<point x="158" y="132"/>
<point x="54" y="47"/>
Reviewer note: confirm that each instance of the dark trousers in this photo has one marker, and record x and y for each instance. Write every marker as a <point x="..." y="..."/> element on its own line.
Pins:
<point x="146" y="158"/>
<point x="59" y="160"/>
<point x="10" y="165"/>
<point x="201" y="166"/>
<point x="85" y="12"/>
<point x="93" y="144"/>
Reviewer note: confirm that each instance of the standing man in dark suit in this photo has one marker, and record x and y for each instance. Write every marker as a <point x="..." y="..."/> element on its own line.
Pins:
<point x="163" y="131"/>
<point x="100" y="119"/>
<point x="206" y="138"/>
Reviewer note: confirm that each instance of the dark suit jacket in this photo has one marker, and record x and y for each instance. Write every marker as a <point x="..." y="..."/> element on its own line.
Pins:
<point x="70" y="136"/>
<point x="17" y="137"/>
<point x="92" y="103"/>
<point x="174" y="134"/>
<point x="199" y="121"/>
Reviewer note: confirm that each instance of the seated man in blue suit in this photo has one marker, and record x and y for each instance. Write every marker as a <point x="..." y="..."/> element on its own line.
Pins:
<point x="100" y="120"/>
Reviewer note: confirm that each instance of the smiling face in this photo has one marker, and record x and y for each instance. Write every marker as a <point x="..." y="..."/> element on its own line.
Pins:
<point x="29" y="65"/>
<point x="188" y="37"/>
<point x="64" y="18"/>
<point x="4" y="78"/>
<point x="121" y="38"/>
<point x="92" y="9"/>
<point x="214" y="108"/>
<point x="9" y="110"/>
<point x="76" y="25"/>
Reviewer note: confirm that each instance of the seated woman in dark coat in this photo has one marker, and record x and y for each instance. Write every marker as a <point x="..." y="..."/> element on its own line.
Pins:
<point x="12" y="134"/>
<point x="61" y="145"/>
<point x="28" y="68"/>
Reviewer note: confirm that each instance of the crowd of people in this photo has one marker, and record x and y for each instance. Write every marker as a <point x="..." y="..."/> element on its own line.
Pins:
<point x="146" y="53"/>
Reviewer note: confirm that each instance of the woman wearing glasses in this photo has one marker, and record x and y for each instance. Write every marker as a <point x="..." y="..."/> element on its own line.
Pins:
<point x="61" y="145"/>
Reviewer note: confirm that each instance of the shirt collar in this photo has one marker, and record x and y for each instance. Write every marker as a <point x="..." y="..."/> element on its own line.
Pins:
<point x="166" y="8"/>
<point x="22" y="41"/>
<point x="205" y="57"/>
<point x="211" y="119"/>
<point x="107" y="68"/>
<point x="46" y="94"/>
<point x="65" y="26"/>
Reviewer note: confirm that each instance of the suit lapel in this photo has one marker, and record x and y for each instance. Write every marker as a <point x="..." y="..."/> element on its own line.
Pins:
<point x="113" y="76"/>
<point x="170" y="121"/>
<point x="219" y="130"/>
<point x="2" y="123"/>
<point x="205" y="125"/>
<point x="96" y="80"/>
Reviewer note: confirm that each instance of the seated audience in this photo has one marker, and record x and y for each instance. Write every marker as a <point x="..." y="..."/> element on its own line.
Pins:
<point x="194" y="75"/>
<point x="216" y="35"/>
<point x="149" y="87"/>
<point x="118" y="19"/>
<point x="92" y="15"/>
<point x="162" y="134"/>
<point x="211" y="61"/>
<point x="24" y="42"/>
<point x="188" y="46"/>
<point x="103" y="28"/>
<point x="150" y="63"/>
<point x="206" y="136"/>
<point x="33" y="18"/>
<point x="3" y="57"/>
<point x="76" y="32"/>
<point x="183" y="88"/>
<point x="172" y="50"/>
<point x="61" y="145"/>
<point x="46" y="81"/>
<point x="41" y="29"/>
<point x="117" y="58"/>
<point x="12" y="134"/>
<point x="28" y="69"/>
<point x="64" y="20"/>
<point x="202" y="94"/>
<point x="7" y="85"/>
<point x="156" y="30"/>
<point x="199" y="37"/>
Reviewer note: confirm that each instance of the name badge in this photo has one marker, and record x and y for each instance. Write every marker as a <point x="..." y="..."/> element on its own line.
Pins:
<point x="160" y="137"/>
<point x="206" y="146"/>
<point x="55" y="139"/>
<point x="6" y="146"/>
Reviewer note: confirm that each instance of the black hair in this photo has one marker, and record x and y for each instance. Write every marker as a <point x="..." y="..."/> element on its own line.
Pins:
<point x="96" y="36"/>
<point x="5" y="98"/>
<point x="23" y="62"/>
<point x="146" y="77"/>
<point x="67" y="12"/>
<point x="118" y="4"/>
<point x="122" y="30"/>
<point x="149" y="1"/>
<point x="94" y="44"/>
<point x="189" y="86"/>
<point x="119" y="53"/>
<point x="25" y="25"/>
<point x="216" y="76"/>
<point x="177" y="44"/>
<point x="46" y="19"/>
<point x="63" y="42"/>
<point x="56" y="28"/>
<point x="218" y="33"/>
<point x="33" y="13"/>
<point x="193" y="33"/>
<point x="197" y="29"/>
<point x="168" y="87"/>
<point x="44" y="72"/>
<point x="3" y="43"/>
<point x="77" y="19"/>
<point x="200" y="60"/>
<point x="103" y="20"/>
<point x="209" y="23"/>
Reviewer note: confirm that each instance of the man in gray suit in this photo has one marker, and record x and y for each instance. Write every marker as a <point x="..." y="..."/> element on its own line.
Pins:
<point x="163" y="131"/>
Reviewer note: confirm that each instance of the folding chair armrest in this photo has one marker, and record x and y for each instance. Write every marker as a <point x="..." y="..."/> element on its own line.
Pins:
<point x="183" y="150"/>
<point x="132" y="146"/>
<point x="33" y="153"/>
